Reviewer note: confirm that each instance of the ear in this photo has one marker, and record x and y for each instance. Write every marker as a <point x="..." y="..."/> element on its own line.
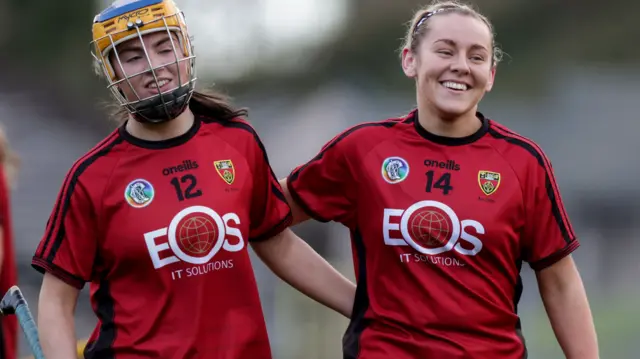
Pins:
<point x="492" y="78"/>
<point x="409" y="63"/>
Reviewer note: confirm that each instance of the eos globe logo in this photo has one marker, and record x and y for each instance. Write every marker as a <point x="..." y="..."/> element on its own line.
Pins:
<point x="431" y="228"/>
<point x="194" y="236"/>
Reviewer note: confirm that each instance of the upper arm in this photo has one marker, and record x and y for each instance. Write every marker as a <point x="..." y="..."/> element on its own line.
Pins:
<point x="270" y="213"/>
<point x="57" y="293"/>
<point x="325" y="187"/>
<point x="299" y="215"/>
<point x="558" y="275"/>
<point x="548" y="234"/>
<point x="69" y="244"/>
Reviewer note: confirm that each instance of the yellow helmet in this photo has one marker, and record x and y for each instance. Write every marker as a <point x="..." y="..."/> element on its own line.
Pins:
<point x="125" y="20"/>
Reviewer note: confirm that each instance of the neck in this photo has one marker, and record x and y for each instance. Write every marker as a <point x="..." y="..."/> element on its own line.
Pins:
<point x="161" y="131"/>
<point x="439" y="124"/>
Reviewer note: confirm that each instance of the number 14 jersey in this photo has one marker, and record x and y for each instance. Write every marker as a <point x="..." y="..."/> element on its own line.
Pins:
<point x="160" y="231"/>
<point x="439" y="227"/>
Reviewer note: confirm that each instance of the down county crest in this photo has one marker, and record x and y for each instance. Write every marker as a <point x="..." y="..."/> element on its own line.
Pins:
<point x="488" y="181"/>
<point x="226" y="170"/>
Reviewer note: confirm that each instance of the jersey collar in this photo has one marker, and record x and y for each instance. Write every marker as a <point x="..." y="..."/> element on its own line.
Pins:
<point x="159" y="145"/>
<point x="451" y="141"/>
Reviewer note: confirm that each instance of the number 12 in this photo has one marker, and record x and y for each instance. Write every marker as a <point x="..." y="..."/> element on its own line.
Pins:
<point x="189" y="191"/>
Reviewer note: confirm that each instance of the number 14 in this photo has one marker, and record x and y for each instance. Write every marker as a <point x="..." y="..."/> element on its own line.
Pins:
<point x="443" y="183"/>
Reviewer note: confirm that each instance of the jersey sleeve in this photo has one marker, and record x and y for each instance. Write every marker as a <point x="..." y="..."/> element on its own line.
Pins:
<point x="548" y="234"/>
<point x="325" y="186"/>
<point x="68" y="246"/>
<point x="270" y="212"/>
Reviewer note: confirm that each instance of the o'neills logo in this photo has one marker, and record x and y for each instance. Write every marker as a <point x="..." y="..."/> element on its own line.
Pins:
<point x="186" y="165"/>
<point x="447" y="165"/>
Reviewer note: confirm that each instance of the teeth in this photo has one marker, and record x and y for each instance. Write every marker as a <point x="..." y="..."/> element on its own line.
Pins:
<point x="158" y="84"/>
<point x="454" y="85"/>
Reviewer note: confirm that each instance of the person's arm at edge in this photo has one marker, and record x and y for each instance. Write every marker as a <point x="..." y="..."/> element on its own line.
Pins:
<point x="56" y="323"/>
<point x="565" y="301"/>
<point x="296" y="263"/>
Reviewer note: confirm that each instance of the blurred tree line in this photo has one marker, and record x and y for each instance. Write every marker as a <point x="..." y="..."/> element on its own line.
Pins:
<point x="44" y="46"/>
<point x="44" y="51"/>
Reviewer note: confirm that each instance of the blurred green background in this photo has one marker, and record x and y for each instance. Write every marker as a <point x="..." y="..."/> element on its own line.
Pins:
<point x="308" y="69"/>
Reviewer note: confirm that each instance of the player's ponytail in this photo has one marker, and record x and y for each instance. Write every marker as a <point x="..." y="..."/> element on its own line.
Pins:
<point x="8" y="159"/>
<point x="214" y="104"/>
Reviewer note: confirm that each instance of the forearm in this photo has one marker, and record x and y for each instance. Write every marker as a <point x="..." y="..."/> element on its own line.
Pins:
<point x="296" y="263"/>
<point x="57" y="333"/>
<point x="56" y="325"/>
<point x="571" y="319"/>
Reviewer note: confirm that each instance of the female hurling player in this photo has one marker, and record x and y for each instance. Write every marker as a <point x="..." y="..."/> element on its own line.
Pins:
<point x="443" y="206"/>
<point x="156" y="217"/>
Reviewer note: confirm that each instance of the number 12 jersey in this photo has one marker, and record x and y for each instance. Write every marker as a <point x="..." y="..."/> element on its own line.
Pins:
<point x="160" y="231"/>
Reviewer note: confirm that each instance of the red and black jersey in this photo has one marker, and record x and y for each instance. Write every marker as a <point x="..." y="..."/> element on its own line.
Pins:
<point x="160" y="231"/>
<point x="8" y="272"/>
<point x="440" y="227"/>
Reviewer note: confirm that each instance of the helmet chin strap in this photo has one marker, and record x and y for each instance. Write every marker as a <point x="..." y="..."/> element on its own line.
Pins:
<point x="162" y="108"/>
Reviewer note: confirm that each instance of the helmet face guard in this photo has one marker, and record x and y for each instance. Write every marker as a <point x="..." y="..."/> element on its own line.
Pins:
<point x="127" y="20"/>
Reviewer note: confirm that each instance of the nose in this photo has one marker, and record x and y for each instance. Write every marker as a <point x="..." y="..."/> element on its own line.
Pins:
<point x="460" y="64"/>
<point x="157" y="62"/>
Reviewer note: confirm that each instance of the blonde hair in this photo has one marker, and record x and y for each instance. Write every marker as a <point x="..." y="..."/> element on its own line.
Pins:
<point x="418" y="26"/>
<point x="8" y="159"/>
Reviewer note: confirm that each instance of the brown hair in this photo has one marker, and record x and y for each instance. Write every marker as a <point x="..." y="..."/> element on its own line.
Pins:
<point x="8" y="159"/>
<point x="205" y="102"/>
<point x="418" y="26"/>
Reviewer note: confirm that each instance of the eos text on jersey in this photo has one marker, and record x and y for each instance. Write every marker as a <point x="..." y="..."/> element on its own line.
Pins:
<point x="195" y="235"/>
<point x="431" y="228"/>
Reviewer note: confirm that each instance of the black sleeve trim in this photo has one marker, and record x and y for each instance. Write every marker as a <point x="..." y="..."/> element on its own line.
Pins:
<point x="555" y="257"/>
<point x="42" y="266"/>
<point x="275" y="230"/>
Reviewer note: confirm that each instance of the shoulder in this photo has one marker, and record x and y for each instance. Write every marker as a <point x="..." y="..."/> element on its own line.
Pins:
<point x="239" y="134"/>
<point x="93" y="168"/>
<point x="516" y="147"/>
<point x="367" y="135"/>
<point x="234" y="131"/>
<point x="236" y="126"/>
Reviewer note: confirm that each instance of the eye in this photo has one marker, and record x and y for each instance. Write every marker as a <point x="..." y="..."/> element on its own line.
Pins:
<point x="445" y="52"/>
<point x="477" y="58"/>
<point x="133" y="59"/>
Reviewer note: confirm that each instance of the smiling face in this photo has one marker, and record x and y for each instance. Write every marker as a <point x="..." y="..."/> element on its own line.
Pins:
<point x="452" y="63"/>
<point x="134" y="64"/>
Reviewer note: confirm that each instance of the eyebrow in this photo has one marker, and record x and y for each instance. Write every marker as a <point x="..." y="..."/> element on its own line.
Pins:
<point x="453" y="43"/>
<point x="129" y="47"/>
